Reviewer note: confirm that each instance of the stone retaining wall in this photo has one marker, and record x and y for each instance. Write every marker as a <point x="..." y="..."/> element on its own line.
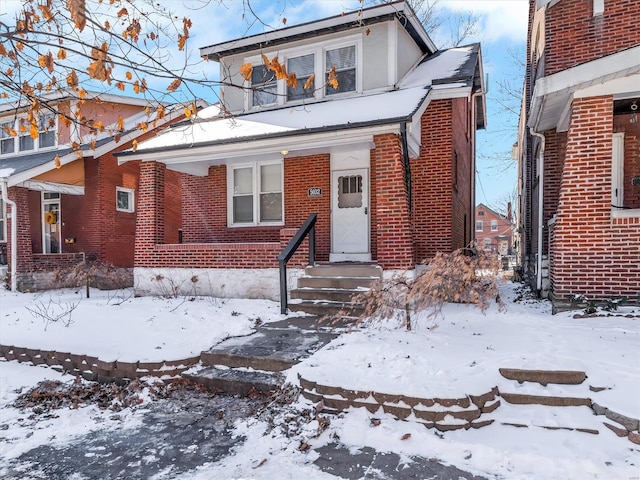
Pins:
<point x="94" y="369"/>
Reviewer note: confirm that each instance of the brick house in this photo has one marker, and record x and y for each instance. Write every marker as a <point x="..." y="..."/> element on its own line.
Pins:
<point x="385" y="157"/>
<point x="68" y="204"/>
<point x="494" y="232"/>
<point x="579" y="150"/>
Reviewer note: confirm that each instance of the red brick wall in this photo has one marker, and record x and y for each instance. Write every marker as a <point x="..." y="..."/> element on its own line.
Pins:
<point x="555" y="147"/>
<point x="392" y="227"/>
<point x="25" y="257"/>
<point x="594" y="254"/>
<point x="574" y="36"/>
<point x="462" y="178"/>
<point x="432" y="180"/>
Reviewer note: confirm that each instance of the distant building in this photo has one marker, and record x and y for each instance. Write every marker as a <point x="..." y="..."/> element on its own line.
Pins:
<point x="494" y="232"/>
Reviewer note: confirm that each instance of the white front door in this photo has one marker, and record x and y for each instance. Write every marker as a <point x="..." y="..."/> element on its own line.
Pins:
<point x="350" y="215"/>
<point x="51" y="239"/>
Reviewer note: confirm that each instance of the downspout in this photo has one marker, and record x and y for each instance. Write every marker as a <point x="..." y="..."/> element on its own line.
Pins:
<point x="540" y="205"/>
<point x="14" y="235"/>
<point x="407" y="165"/>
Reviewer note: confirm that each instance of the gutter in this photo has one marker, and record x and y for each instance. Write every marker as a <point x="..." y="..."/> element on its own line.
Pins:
<point x="14" y="234"/>
<point x="540" y="206"/>
<point x="407" y="164"/>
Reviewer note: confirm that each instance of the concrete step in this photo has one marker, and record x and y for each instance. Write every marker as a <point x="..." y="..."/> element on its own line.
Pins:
<point x="331" y="294"/>
<point x="326" y="308"/>
<point x="234" y="381"/>
<point x="336" y="282"/>
<point x="544" y="377"/>
<point x="344" y="270"/>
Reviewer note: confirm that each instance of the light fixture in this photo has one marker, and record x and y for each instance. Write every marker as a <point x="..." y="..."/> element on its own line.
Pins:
<point x="284" y="153"/>
<point x="634" y="114"/>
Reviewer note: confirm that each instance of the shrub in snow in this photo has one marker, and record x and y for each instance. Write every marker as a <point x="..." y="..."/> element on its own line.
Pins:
<point x="466" y="275"/>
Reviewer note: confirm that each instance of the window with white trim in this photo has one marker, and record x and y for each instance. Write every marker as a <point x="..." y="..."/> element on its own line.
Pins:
<point x="343" y="60"/>
<point x="311" y="65"/>
<point x="255" y="194"/>
<point x="478" y="225"/>
<point x="487" y="244"/>
<point x="3" y="223"/>
<point x="494" y="225"/>
<point x="23" y="141"/>
<point x="125" y="199"/>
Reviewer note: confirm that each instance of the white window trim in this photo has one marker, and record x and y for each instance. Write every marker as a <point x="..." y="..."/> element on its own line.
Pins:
<point x="3" y="218"/>
<point x="256" y="193"/>
<point x="617" y="171"/>
<point x="598" y="7"/>
<point x="36" y="141"/>
<point x="44" y="202"/>
<point x="494" y="223"/>
<point x="132" y="199"/>
<point x="319" y="50"/>
<point x="481" y="229"/>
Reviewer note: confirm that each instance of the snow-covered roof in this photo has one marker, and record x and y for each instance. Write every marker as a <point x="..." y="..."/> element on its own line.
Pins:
<point x="453" y="70"/>
<point x="401" y="11"/>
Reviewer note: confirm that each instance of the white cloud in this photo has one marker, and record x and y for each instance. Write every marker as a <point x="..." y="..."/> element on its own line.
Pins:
<point x="501" y="20"/>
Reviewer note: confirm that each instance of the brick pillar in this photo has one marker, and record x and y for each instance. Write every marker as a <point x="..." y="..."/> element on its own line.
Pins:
<point x="25" y="254"/>
<point x="393" y="227"/>
<point x="587" y="251"/>
<point x="150" y="217"/>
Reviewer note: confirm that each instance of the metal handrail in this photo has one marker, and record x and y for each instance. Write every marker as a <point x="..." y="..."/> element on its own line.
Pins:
<point x="307" y="228"/>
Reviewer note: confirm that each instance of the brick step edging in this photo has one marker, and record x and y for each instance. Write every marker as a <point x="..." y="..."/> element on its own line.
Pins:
<point x="92" y="368"/>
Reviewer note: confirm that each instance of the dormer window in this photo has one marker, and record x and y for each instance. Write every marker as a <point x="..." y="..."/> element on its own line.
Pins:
<point x="264" y="86"/>
<point x="343" y="60"/>
<point x="24" y="141"/>
<point x="304" y="67"/>
<point x="314" y="67"/>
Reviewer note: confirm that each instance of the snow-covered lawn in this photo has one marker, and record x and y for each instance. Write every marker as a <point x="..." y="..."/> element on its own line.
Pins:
<point x="460" y="356"/>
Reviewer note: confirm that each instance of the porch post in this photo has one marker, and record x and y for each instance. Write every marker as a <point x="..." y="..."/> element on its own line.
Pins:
<point x="150" y="216"/>
<point x="23" y="227"/>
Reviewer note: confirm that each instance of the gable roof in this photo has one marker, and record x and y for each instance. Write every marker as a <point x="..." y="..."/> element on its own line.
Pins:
<point x="449" y="74"/>
<point x="16" y="169"/>
<point x="362" y="17"/>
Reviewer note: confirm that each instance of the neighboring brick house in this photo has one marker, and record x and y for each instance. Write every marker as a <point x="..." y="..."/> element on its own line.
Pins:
<point x="494" y="232"/>
<point x="579" y="150"/>
<point x="385" y="157"/>
<point x="69" y="204"/>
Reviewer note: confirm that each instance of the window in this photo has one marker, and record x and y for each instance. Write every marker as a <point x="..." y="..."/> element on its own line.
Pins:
<point x="344" y="61"/>
<point x="7" y="142"/>
<point x="125" y="198"/>
<point x="617" y="172"/>
<point x="3" y="223"/>
<point x="255" y="194"/>
<point x="264" y="85"/>
<point x="487" y="244"/>
<point x="303" y="67"/>
<point x="25" y="142"/>
<point x="481" y="213"/>
<point x="494" y="225"/>
<point x="478" y="225"/>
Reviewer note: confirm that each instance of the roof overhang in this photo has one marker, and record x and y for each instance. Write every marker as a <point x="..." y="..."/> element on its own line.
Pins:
<point x="617" y="74"/>
<point x="366" y="16"/>
<point x="53" y="187"/>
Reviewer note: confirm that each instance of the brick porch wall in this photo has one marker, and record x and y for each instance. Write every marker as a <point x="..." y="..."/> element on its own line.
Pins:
<point x="594" y="254"/>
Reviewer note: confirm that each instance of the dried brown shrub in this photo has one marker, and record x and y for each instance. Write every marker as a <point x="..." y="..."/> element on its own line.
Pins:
<point x="466" y="275"/>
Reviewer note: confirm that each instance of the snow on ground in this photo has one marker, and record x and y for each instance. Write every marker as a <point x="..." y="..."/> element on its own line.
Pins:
<point x="117" y="326"/>
<point x="461" y="355"/>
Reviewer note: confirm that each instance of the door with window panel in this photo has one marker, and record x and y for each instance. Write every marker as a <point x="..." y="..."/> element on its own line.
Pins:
<point x="51" y="234"/>
<point x="350" y="214"/>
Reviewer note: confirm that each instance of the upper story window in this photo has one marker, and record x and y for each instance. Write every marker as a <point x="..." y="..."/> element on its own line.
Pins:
<point x="343" y="61"/>
<point x="23" y="141"/>
<point x="304" y="68"/>
<point x="479" y="226"/>
<point x="321" y="70"/>
<point x="494" y="225"/>
<point x="265" y="86"/>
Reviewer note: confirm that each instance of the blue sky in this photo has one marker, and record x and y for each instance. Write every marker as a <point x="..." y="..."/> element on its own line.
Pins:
<point x="502" y="33"/>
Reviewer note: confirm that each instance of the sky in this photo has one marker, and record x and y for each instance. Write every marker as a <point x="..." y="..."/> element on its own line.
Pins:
<point x="501" y="30"/>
